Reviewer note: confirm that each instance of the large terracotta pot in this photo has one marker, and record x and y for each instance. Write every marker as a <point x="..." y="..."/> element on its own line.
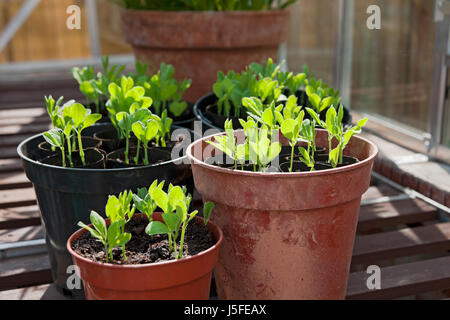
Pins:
<point x="185" y="279"/>
<point x="286" y="235"/>
<point x="198" y="44"/>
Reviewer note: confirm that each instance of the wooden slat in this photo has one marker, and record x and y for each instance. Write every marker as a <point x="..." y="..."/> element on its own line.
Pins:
<point x="405" y="242"/>
<point x="379" y="191"/>
<point x="24" y="120"/>
<point x="12" y="218"/>
<point x="13" y="141"/>
<point x="17" y="198"/>
<point x="42" y="292"/>
<point x="403" y="280"/>
<point x="17" y="113"/>
<point x="9" y="153"/>
<point x="22" y="234"/>
<point x="14" y="180"/>
<point x="10" y="165"/>
<point x="394" y="213"/>
<point x="23" y="129"/>
<point x="25" y="271"/>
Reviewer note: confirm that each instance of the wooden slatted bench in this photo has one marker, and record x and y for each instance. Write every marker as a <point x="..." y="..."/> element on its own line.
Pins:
<point x="404" y="236"/>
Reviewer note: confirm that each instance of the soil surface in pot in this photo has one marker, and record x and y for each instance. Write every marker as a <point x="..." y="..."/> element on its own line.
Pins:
<point x="94" y="159"/>
<point x="116" y="159"/>
<point x="145" y="249"/>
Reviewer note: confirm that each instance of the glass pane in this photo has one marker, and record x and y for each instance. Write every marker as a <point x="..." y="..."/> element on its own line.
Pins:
<point x="392" y="67"/>
<point x="311" y="41"/>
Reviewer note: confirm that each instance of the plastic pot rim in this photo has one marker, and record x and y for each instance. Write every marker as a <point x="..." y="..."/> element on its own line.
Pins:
<point x="37" y="163"/>
<point x="362" y="163"/>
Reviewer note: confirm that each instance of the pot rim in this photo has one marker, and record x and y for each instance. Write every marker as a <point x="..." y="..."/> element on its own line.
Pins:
<point x="37" y="163"/>
<point x="362" y="163"/>
<point x="81" y="231"/>
<point x="209" y="12"/>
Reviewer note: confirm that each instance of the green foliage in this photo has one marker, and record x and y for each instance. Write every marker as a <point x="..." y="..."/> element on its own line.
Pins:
<point x="95" y="86"/>
<point x="111" y="237"/>
<point x="204" y="5"/>
<point x="145" y="131"/>
<point x="77" y="118"/>
<point x="335" y="128"/>
<point x="165" y="91"/>
<point x="257" y="148"/>
<point x="175" y="205"/>
<point x="55" y="137"/>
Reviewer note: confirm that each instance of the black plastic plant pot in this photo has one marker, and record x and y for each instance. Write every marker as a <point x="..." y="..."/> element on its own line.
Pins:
<point x="67" y="195"/>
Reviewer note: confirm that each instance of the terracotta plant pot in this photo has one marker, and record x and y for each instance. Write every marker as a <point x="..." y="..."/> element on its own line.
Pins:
<point x="185" y="279"/>
<point x="198" y="44"/>
<point x="286" y="235"/>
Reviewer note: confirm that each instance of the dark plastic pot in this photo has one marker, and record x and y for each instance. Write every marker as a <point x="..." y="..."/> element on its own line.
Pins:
<point x="185" y="279"/>
<point x="201" y="111"/>
<point x="280" y="243"/>
<point x="67" y="195"/>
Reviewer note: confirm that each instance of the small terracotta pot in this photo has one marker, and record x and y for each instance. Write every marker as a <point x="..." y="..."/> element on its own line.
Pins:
<point x="280" y="243"/>
<point x="185" y="279"/>
<point x="198" y="44"/>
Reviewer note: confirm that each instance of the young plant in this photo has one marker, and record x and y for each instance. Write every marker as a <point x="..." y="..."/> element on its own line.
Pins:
<point x="118" y="210"/>
<point x="81" y="118"/>
<point x="262" y="150"/>
<point x="306" y="158"/>
<point x="55" y="137"/>
<point x="335" y="128"/>
<point x="165" y="91"/>
<point x="227" y="143"/>
<point x="268" y="69"/>
<point x="123" y="98"/>
<point x="291" y="129"/>
<point x="94" y="87"/>
<point x="111" y="237"/>
<point x="321" y="96"/>
<point x="175" y="205"/>
<point x="143" y="199"/>
<point x="145" y="132"/>
<point x="268" y="115"/>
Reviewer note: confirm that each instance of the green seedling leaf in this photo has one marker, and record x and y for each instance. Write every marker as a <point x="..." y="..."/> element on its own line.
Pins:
<point x="156" y="227"/>
<point x="207" y="210"/>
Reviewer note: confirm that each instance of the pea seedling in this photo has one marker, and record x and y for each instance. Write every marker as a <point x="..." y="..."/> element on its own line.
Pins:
<point x="335" y="128"/>
<point x="81" y="119"/>
<point x="143" y="199"/>
<point x="291" y="129"/>
<point x="175" y="205"/>
<point x="118" y="210"/>
<point x="165" y="91"/>
<point x="111" y="237"/>
<point x="55" y="137"/>
<point x="144" y="132"/>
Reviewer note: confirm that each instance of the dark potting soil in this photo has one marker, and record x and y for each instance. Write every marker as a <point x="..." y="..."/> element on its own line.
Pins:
<point x="145" y="249"/>
<point x="94" y="159"/>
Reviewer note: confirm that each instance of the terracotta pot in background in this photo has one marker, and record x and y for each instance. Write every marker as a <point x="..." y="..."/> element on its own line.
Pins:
<point x="286" y="235"/>
<point x="185" y="279"/>
<point x="198" y="44"/>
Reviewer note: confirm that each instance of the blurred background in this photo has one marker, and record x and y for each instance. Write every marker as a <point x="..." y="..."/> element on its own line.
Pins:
<point x="395" y="75"/>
